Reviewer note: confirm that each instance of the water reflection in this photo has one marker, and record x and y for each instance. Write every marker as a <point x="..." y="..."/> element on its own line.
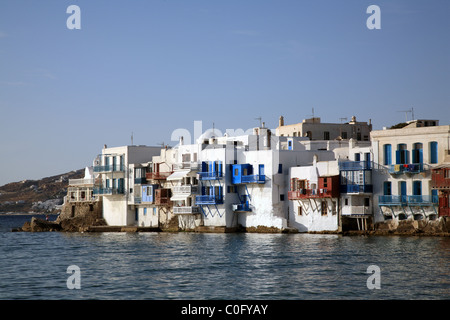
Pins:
<point x="222" y="266"/>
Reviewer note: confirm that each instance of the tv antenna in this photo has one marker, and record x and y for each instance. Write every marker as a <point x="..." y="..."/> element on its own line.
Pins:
<point x="132" y="138"/>
<point x="406" y="113"/>
<point x="260" y="123"/>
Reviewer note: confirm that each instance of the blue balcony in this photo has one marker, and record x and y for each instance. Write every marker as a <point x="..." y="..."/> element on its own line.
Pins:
<point x="392" y="200"/>
<point x="355" y="165"/>
<point x="356" y="188"/>
<point x="426" y="200"/>
<point x="244" y="173"/>
<point x="209" y="199"/>
<point x="210" y="175"/>
<point x="241" y="207"/>
<point x="406" y="168"/>
<point x="416" y="200"/>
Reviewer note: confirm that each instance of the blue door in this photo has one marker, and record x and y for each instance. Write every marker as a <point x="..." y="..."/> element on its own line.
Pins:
<point x="403" y="190"/>
<point x="417" y="188"/>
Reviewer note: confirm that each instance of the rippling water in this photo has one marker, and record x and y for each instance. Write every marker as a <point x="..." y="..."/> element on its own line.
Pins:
<point x="219" y="266"/>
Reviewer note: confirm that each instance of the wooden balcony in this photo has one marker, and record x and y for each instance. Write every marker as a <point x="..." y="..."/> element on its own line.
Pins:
<point x="157" y="175"/>
<point x="311" y="194"/>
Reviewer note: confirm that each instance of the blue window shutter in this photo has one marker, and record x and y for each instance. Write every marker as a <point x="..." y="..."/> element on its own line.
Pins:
<point x="387" y="154"/>
<point x="433" y="152"/>
<point x="397" y="156"/>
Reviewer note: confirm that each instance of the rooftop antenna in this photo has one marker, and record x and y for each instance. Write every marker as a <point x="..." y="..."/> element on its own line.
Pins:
<point x="406" y="114"/>
<point x="260" y="124"/>
<point x="313" y="119"/>
<point x="132" y="138"/>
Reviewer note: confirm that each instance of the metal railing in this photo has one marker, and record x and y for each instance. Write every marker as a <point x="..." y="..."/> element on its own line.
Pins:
<point x="208" y="199"/>
<point x="406" y="168"/>
<point x="356" y="188"/>
<point x="81" y="182"/>
<point x="210" y="175"/>
<point x="110" y="168"/>
<point x="404" y="200"/>
<point x="355" y="165"/>
<point x="185" y="189"/>
<point x="254" y="178"/>
<point x="186" y="210"/>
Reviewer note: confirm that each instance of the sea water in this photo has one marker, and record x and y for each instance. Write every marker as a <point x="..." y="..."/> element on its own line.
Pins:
<point x="220" y="266"/>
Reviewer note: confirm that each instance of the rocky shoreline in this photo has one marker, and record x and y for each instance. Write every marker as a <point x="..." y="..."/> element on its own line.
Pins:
<point x="93" y="223"/>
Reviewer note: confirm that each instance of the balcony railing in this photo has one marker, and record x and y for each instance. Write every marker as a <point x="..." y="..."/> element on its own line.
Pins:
<point x="254" y="178"/>
<point x="355" y="210"/>
<point x="158" y="175"/>
<point x="81" y="182"/>
<point x="186" y="210"/>
<point x="208" y="199"/>
<point x="355" y="165"/>
<point x="188" y="189"/>
<point x="213" y="175"/>
<point x="186" y="165"/>
<point x="108" y="191"/>
<point x="241" y="207"/>
<point x="356" y="188"/>
<point x="141" y="180"/>
<point x="406" y="168"/>
<point x="425" y="200"/>
<point x="309" y="193"/>
<point x="110" y="168"/>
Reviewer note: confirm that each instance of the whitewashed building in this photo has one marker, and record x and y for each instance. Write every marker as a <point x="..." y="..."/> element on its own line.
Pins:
<point x="403" y="190"/>
<point x="115" y="184"/>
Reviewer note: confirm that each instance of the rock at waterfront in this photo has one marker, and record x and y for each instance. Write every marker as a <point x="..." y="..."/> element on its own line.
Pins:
<point x="40" y="225"/>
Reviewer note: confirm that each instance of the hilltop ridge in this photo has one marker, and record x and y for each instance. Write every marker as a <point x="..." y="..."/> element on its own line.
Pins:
<point x="40" y="196"/>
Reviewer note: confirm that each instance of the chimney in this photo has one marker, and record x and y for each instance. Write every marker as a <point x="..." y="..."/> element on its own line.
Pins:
<point x="281" y="121"/>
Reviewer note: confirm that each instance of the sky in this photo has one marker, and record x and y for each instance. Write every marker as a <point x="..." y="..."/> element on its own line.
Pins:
<point x="145" y="68"/>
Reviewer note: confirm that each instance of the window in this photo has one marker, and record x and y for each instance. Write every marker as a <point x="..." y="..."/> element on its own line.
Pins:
<point x="324" y="208"/>
<point x="433" y="152"/>
<point x="299" y="211"/>
<point x="326" y="135"/>
<point x="344" y="135"/>
<point x="366" y="202"/>
<point x="333" y="208"/>
<point x="387" y="188"/>
<point x="417" y="155"/>
<point x="357" y="157"/>
<point x="325" y="183"/>
<point x="91" y="207"/>
<point x="417" y="188"/>
<point x="145" y="211"/>
<point x="387" y="154"/>
<point x="236" y="172"/>
<point x="346" y="201"/>
<point x="281" y="197"/>
<point x="402" y="154"/>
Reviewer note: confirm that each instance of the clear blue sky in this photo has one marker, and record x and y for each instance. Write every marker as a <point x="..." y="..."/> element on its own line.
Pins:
<point x="152" y="66"/>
